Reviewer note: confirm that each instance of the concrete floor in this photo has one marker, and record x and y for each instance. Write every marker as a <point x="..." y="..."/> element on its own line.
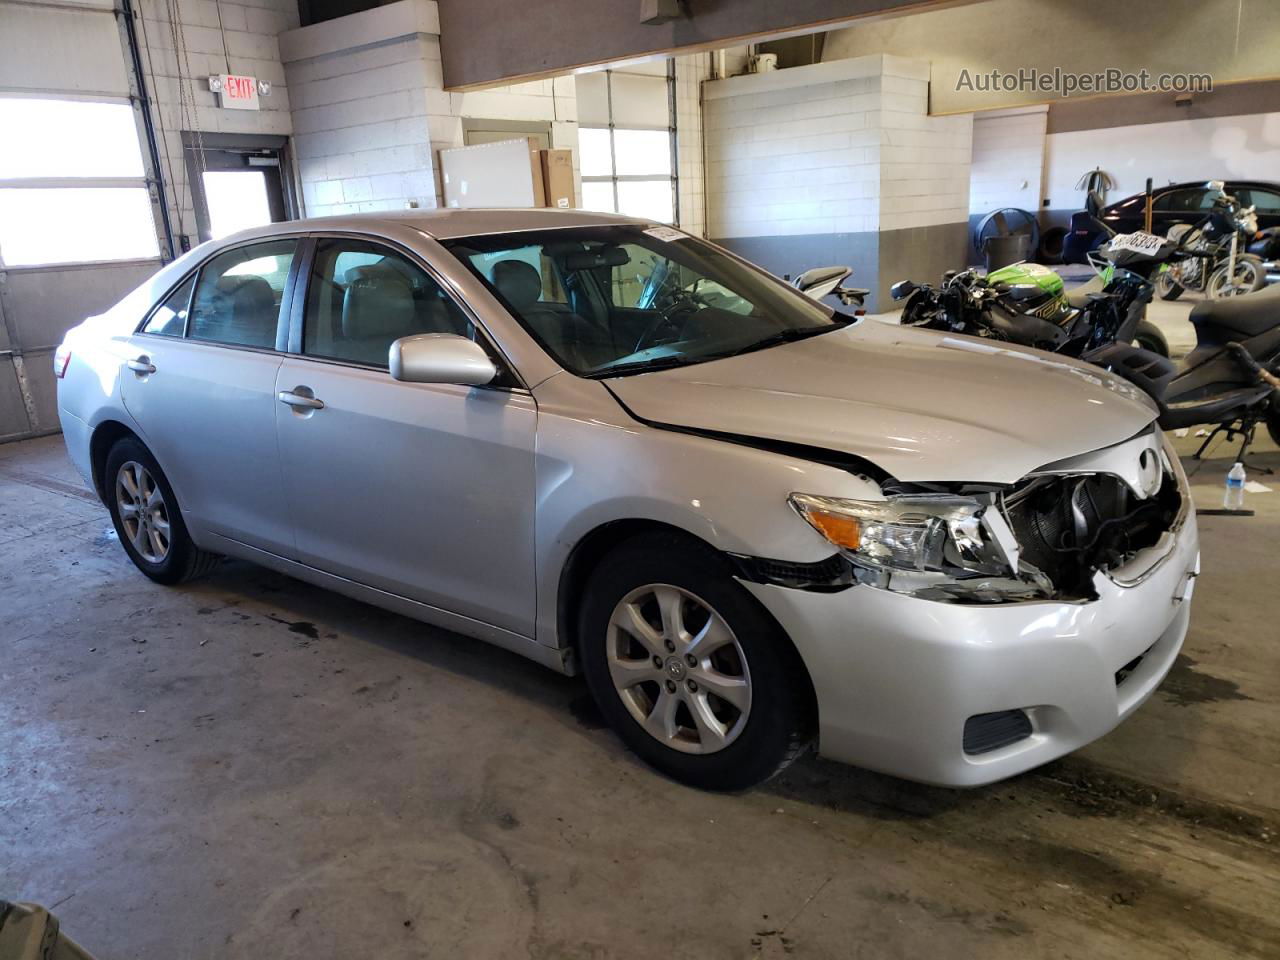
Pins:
<point x="247" y="766"/>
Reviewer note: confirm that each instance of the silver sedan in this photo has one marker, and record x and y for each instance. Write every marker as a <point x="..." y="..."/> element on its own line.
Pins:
<point x="752" y="521"/>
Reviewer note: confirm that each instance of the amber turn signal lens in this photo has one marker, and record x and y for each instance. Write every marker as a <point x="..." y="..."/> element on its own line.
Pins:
<point x="842" y="530"/>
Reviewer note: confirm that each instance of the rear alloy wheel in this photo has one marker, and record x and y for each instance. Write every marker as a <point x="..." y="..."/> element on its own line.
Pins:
<point x="145" y="514"/>
<point x="690" y="670"/>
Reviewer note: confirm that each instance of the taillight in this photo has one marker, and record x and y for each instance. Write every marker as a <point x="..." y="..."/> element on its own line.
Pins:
<point x="61" y="360"/>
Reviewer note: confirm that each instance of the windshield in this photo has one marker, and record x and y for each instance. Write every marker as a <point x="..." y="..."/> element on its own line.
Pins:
<point x="614" y="300"/>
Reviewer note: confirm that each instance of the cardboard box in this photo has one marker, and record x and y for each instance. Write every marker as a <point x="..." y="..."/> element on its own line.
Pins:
<point x="557" y="177"/>
<point x="506" y="173"/>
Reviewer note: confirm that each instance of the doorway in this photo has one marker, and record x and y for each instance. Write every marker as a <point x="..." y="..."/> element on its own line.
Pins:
<point x="237" y="182"/>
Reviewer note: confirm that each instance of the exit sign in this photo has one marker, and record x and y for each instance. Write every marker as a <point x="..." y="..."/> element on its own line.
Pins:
<point x="236" y="92"/>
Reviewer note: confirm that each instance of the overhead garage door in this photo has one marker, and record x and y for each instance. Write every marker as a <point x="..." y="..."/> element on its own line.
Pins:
<point x="77" y="212"/>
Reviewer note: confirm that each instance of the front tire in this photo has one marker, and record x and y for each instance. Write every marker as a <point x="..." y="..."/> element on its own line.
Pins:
<point x="1249" y="276"/>
<point x="1149" y="337"/>
<point x="146" y="516"/>
<point x="688" y="668"/>
<point x="1168" y="288"/>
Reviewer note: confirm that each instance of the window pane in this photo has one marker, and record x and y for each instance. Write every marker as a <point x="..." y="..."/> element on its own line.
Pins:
<point x="237" y="200"/>
<point x="363" y="297"/>
<point x="642" y="153"/>
<point x="170" y="318"/>
<point x="646" y="198"/>
<point x="68" y="138"/>
<point x="593" y="149"/>
<point x="76" y="224"/>
<point x="238" y="298"/>
<point x="598" y="195"/>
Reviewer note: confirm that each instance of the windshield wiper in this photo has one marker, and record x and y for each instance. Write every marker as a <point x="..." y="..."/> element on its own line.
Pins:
<point x="645" y="366"/>
<point x="783" y="336"/>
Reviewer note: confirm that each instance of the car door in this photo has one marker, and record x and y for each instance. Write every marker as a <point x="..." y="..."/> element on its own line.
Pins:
<point x="201" y="386"/>
<point x="422" y="490"/>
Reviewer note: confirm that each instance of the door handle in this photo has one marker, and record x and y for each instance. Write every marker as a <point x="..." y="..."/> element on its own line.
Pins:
<point x="141" y="364"/>
<point x="298" y="400"/>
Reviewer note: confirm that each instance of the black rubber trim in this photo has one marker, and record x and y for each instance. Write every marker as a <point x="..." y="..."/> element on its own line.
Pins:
<point x="822" y="576"/>
<point x="985" y="732"/>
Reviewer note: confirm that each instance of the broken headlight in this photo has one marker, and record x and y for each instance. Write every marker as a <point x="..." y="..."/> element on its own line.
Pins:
<point x="937" y="546"/>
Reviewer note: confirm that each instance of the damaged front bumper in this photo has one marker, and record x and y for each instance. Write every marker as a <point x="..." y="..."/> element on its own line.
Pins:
<point x="963" y="694"/>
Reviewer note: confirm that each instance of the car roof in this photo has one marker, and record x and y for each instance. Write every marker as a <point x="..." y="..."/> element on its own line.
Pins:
<point x="450" y="223"/>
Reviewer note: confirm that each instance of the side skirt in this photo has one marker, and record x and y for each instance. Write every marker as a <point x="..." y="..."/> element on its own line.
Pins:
<point x="551" y="657"/>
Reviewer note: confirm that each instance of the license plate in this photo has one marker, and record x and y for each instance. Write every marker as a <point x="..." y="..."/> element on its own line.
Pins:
<point x="1139" y="242"/>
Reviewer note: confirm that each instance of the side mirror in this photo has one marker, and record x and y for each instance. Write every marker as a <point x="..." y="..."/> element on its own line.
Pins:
<point x="902" y="289"/>
<point x="820" y="281"/>
<point x="441" y="358"/>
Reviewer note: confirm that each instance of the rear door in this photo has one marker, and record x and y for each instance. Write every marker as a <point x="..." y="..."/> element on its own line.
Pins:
<point x="423" y="490"/>
<point x="201" y="386"/>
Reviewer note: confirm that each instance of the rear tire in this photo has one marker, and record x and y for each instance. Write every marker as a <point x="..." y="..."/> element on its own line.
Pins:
<point x="662" y="630"/>
<point x="1273" y="421"/>
<point x="147" y="518"/>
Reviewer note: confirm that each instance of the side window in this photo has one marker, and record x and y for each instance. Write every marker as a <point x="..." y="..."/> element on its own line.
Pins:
<point x="362" y="297"/>
<point x="1264" y="201"/>
<point x="170" y="318"/>
<point x="238" y="295"/>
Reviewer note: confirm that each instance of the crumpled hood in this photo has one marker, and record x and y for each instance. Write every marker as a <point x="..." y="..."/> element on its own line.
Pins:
<point x="923" y="406"/>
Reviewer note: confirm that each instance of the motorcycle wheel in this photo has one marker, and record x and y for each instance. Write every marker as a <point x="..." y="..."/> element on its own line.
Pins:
<point x="1249" y="277"/>
<point x="1166" y="287"/>
<point x="1273" y="421"/>
<point x="1149" y="337"/>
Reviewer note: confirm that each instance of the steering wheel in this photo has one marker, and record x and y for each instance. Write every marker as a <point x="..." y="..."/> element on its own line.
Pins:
<point x="682" y="302"/>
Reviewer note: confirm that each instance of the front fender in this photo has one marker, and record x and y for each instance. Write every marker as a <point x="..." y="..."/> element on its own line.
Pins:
<point x="597" y="471"/>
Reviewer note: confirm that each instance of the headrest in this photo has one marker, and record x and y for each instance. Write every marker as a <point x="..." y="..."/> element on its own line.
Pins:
<point x="247" y="292"/>
<point x="377" y="303"/>
<point x="518" y="282"/>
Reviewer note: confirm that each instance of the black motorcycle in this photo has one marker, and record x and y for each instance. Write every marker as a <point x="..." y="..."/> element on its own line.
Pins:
<point x="1230" y="379"/>
<point x="1216" y="262"/>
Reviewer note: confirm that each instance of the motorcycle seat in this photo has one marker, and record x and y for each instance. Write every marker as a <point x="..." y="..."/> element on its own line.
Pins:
<point x="1080" y="296"/>
<point x="1235" y="317"/>
<point x="1215" y="409"/>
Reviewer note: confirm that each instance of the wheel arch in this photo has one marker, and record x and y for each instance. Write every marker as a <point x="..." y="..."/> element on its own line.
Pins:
<point x="105" y="436"/>
<point x="612" y="535"/>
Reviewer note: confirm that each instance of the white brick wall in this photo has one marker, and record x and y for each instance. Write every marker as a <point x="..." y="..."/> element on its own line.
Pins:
<point x="361" y="132"/>
<point x="841" y="147"/>
<point x="1008" y="159"/>
<point x="371" y="113"/>
<point x="691" y="71"/>
<point x="250" y="28"/>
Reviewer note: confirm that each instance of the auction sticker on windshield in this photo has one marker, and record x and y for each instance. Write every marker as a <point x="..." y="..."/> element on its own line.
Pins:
<point x="1139" y="242"/>
<point x="665" y="233"/>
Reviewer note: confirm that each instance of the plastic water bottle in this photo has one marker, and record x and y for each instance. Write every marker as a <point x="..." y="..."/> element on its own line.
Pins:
<point x="1233" y="498"/>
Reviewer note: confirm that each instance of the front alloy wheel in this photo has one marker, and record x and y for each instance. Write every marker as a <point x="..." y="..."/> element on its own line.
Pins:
<point x="688" y="667"/>
<point x="143" y="512"/>
<point x="678" y="669"/>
